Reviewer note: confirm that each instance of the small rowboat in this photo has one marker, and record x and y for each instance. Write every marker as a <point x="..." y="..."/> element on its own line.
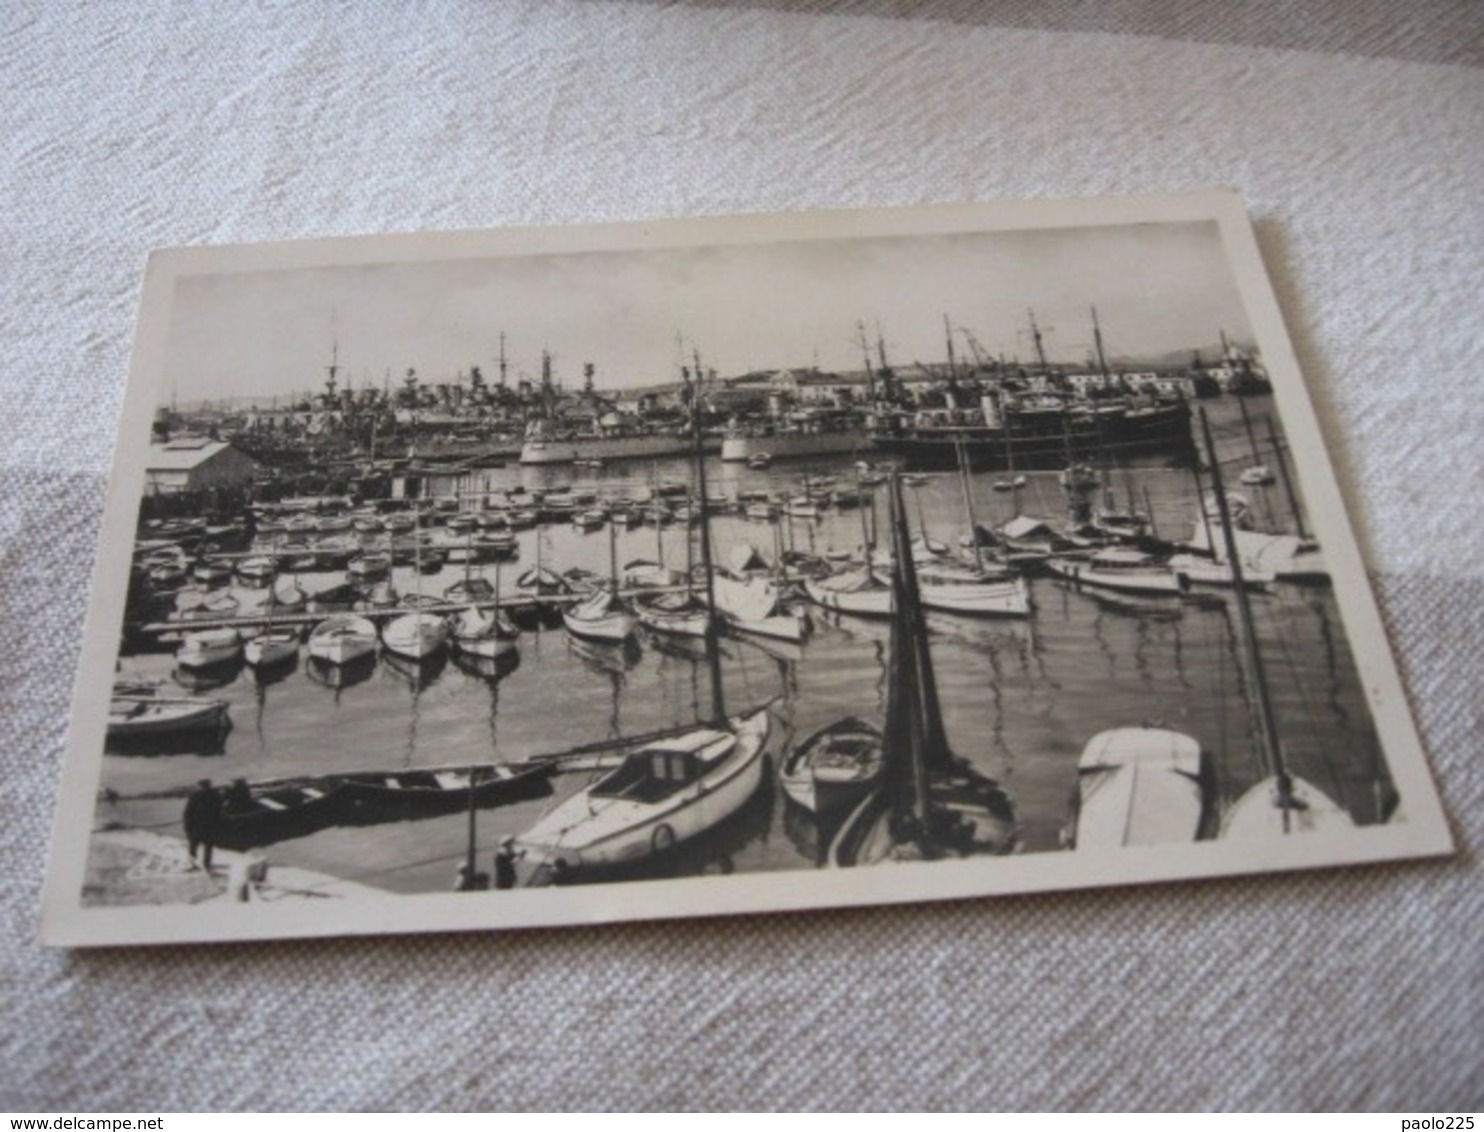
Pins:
<point x="140" y="713"/>
<point x="342" y="639"/>
<point x="424" y="793"/>
<point x="370" y="567"/>
<point x="256" y="571"/>
<point x="272" y="647"/>
<point x="835" y="767"/>
<point x="212" y="573"/>
<point x="252" y="817"/>
<point x="589" y="520"/>
<point x="209" y="646"/>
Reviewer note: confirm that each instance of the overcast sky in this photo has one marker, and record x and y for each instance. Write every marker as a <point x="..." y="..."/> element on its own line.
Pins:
<point x="1157" y="287"/>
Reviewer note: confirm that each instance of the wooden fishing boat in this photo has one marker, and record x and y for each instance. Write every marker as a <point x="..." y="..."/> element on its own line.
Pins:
<point x="832" y="770"/>
<point x="673" y="614"/>
<point x="425" y="793"/>
<point x="166" y="573"/>
<point x="370" y="568"/>
<point x="136" y="712"/>
<point x="491" y="545"/>
<point x="208" y="647"/>
<point x="522" y="519"/>
<point x="342" y="639"/>
<point x="1123" y="569"/>
<point x="931" y="803"/>
<point x="1205" y="571"/>
<point x="339" y="598"/>
<point x="977" y="591"/>
<point x="271" y="647"/>
<point x="663" y="794"/>
<point x="755" y="605"/>
<point x="648" y="572"/>
<point x="258" y="571"/>
<point x="590" y="520"/>
<point x="212" y="572"/>
<point x="399" y="523"/>
<point x="857" y="592"/>
<point x="253" y="816"/>
<point x="486" y="633"/>
<point x="601" y="618"/>
<point x="379" y="596"/>
<point x="415" y="636"/>
<point x="1141" y="786"/>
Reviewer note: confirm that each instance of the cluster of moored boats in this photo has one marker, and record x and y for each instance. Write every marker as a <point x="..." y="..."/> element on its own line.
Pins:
<point x="893" y="793"/>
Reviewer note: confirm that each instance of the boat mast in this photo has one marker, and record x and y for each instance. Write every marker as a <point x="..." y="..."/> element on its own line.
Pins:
<point x="1267" y="721"/>
<point x="1097" y="338"/>
<point x="1293" y="503"/>
<point x="1247" y="425"/>
<point x="713" y="646"/>
<point x="1010" y="453"/>
<point x="865" y="345"/>
<point x="612" y="560"/>
<point x="1205" y="512"/>
<point x="963" y="475"/>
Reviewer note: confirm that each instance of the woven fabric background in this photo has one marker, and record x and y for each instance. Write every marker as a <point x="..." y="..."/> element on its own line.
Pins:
<point x="1355" y="134"/>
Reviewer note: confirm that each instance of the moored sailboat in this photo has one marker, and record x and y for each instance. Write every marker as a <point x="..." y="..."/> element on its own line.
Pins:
<point x="1281" y="803"/>
<point x="931" y="803"/>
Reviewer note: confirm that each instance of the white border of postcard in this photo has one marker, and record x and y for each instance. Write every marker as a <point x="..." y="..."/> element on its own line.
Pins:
<point x="65" y="921"/>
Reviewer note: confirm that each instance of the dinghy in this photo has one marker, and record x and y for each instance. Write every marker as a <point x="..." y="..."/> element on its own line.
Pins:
<point x="342" y="639"/>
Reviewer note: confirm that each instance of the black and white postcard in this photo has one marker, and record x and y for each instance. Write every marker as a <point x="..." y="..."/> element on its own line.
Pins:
<point x="496" y="579"/>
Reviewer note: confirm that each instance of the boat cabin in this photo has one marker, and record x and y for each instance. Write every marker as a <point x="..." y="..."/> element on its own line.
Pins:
<point x="662" y="769"/>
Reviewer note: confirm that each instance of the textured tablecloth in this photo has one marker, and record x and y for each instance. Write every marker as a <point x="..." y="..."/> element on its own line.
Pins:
<point x="1357" y="137"/>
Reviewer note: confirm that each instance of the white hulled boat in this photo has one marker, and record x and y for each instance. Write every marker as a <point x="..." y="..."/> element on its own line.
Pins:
<point x="754" y="605"/>
<point x="1122" y="569"/>
<point x="858" y="592"/>
<point x="661" y="795"/>
<point x="1141" y="786"/>
<point x="415" y="636"/>
<point x="206" y="647"/>
<point x="342" y="639"/>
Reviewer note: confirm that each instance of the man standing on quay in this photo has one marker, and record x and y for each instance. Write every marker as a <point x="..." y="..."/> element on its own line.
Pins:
<point x="203" y="811"/>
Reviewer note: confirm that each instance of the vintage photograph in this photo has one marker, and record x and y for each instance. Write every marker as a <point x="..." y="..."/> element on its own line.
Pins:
<point x="482" y="580"/>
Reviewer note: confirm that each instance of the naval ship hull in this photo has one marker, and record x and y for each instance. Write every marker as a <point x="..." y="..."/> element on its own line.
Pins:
<point x="1047" y="441"/>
